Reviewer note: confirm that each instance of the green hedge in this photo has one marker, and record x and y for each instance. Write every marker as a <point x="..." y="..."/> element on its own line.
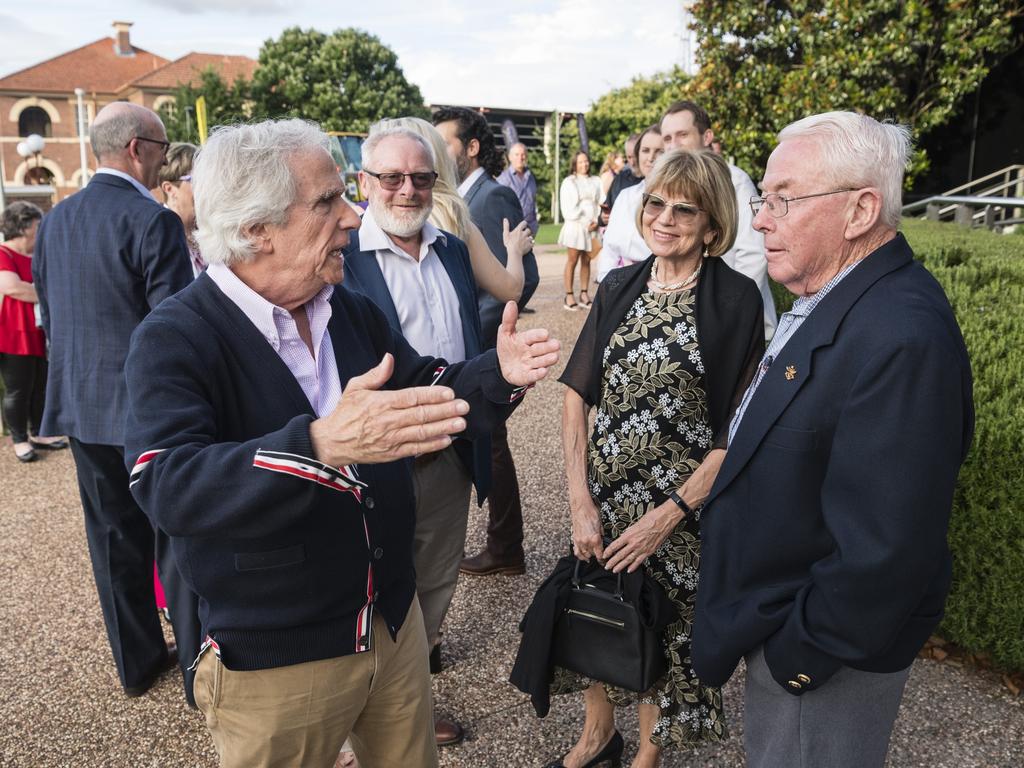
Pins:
<point x="983" y="275"/>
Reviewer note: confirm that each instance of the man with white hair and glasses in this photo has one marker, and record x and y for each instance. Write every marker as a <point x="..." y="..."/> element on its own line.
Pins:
<point x="270" y="415"/>
<point x="824" y="560"/>
<point x="422" y="280"/>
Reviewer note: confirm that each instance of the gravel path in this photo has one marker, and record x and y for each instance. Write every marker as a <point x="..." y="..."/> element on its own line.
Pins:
<point x="61" y="704"/>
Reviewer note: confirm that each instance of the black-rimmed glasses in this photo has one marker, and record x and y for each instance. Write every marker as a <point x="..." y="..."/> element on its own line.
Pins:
<point x="394" y="181"/>
<point x="778" y="205"/>
<point x="654" y="206"/>
<point x="164" y="145"/>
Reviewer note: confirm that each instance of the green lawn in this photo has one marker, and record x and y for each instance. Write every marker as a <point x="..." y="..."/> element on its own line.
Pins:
<point x="548" y="234"/>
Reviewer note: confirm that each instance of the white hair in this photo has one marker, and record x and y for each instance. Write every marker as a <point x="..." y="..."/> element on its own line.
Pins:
<point x="859" y="151"/>
<point x="242" y="177"/>
<point x="385" y="129"/>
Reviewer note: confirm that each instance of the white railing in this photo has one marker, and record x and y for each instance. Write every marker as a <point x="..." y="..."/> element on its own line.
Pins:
<point x="993" y="201"/>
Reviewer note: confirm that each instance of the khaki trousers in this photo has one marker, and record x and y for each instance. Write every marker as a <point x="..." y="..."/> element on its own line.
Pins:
<point x="443" y="487"/>
<point x="299" y="716"/>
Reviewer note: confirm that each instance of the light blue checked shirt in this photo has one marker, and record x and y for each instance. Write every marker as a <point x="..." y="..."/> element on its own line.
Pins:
<point x="788" y="324"/>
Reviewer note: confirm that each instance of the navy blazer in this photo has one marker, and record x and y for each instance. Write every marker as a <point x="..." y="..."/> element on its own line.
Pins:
<point x="824" y="535"/>
<point x="489" y="203"/>
<point x="104" y="258"/>
<point x="363" y="275"/>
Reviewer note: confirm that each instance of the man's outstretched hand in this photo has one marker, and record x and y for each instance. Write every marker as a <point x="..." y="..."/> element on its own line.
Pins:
<point x="524" y="357"/>
<point x="373" y="426"/>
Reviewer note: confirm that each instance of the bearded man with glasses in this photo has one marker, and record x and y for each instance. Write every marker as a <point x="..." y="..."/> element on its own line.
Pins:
<point x="825" y="563"/>
<point x="421" y="278"/>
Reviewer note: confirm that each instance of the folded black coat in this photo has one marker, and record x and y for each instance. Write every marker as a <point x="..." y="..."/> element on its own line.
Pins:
<point x="533" y="669"/>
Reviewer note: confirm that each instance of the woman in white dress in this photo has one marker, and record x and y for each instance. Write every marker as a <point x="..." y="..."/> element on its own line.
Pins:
<point x="580" y="199"/>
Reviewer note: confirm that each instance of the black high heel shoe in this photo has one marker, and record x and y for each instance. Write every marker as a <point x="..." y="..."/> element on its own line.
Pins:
<point x="611" y="754"/>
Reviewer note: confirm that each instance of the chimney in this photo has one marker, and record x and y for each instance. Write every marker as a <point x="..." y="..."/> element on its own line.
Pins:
<point x="123" y="42"/>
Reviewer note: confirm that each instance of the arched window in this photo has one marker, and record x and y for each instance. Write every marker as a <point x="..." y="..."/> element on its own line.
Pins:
<point x="39" y="175"/>
<point x="34" y="120"/>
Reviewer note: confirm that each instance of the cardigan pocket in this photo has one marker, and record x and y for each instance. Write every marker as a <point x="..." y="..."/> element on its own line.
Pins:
<point x="278" y="558"/>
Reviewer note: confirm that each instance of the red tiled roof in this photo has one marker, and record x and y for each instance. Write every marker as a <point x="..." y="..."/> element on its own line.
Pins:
<point x="188" y="68"/>
<point x="95" y="67"/>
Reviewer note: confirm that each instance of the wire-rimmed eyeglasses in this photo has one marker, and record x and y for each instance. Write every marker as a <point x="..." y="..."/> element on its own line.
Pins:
<point x="778" y="205"/>
<point x="394" y="181"/>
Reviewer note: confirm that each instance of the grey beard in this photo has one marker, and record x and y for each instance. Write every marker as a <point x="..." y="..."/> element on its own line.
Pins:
<point x="400" y="226"/>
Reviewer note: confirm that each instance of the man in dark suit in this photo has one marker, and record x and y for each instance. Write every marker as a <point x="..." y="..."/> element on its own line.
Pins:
<point x="105" y="257"/>
<point x="824" y="560"/>
<point x="422" y="279"/>
<point x="478" y="160"/>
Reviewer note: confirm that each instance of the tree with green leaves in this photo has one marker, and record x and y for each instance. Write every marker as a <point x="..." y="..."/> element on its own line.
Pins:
<point x="345" y="80"/>
<point x="224" y="104"/>
<point x="624" y="111"/>
<point x="763" y="65"/>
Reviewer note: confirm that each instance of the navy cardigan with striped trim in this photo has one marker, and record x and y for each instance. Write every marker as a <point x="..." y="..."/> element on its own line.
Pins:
<point x="289" y="557"/>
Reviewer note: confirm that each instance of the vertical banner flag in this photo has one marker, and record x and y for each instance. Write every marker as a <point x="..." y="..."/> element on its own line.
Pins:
<point x="581" y="127"/>
<point x="201" y="118"/>
<point x="509" y="134"/>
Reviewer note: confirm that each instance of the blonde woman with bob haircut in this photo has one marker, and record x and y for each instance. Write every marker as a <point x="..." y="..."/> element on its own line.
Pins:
<point x="451" y="214"/>
<point x="665" y="356"/>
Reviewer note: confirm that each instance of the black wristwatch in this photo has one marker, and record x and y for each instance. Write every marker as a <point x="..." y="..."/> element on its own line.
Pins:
<point x="675" y="497"/>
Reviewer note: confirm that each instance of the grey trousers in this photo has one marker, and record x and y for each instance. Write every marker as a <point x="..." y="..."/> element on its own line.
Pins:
<point x="443" y="487"/>
<point x="846" y="723"/>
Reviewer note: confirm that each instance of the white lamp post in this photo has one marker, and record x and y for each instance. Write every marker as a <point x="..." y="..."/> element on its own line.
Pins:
<point x="33" y="144"/>
<point x="79" y="93"/>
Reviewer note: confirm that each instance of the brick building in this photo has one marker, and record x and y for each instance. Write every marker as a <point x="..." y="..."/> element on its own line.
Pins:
<point x="41" y="99"/>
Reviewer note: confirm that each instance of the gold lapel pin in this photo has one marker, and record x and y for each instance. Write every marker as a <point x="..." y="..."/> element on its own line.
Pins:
<point x="790" y="372"/>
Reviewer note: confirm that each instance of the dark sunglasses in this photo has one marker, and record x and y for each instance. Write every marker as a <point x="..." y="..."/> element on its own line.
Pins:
<point x="164" y="145"/>
<point x="394" y="181"/>
<point x="654" y="206"/>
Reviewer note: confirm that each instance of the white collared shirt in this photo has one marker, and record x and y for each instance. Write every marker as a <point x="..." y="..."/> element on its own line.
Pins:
<point x="469" y="181"/>
<point x="316" y="374"/>
<point x="130" y="179"/>
<point x="421" y="290"/>
<point x="623" y="243"/>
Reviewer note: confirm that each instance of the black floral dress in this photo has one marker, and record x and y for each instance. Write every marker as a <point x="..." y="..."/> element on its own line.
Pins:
<point x="651" y="431"/>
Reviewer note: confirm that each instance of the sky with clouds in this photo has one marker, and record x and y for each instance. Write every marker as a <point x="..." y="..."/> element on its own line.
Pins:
<point x="533" y="54"/>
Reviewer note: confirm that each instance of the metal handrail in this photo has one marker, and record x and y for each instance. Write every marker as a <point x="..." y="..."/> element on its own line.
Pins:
<point x="1004" y="172"/>
<point x="971" y="200"/>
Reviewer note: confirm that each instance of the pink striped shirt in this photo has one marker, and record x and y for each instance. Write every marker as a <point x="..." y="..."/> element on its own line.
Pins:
<point x="317" y="375"/>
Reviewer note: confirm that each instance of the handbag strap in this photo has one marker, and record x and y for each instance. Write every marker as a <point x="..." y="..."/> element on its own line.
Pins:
<point x="577" y="584"/>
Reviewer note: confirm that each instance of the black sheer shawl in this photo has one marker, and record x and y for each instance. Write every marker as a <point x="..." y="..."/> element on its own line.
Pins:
<point x="730" y="335"/>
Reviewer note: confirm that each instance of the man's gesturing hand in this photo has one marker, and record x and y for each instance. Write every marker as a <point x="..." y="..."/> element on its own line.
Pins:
<point x="373" y="426"/>
<point x="524" y="357"/>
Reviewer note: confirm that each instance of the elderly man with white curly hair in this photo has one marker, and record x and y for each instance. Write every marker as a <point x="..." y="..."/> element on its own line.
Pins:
<point x="271" y="414"/>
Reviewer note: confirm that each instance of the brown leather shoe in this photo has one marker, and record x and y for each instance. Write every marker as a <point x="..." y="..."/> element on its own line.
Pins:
<point x="485" y="564"/>
<point x="447" y="732"/>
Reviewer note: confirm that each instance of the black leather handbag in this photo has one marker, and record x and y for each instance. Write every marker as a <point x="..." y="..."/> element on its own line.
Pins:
<point x="607" y="636"/>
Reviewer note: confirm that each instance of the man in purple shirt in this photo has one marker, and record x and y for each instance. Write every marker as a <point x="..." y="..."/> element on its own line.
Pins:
<point x="518" y="178"/>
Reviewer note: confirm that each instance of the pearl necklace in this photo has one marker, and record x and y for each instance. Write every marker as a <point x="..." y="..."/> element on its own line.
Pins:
<point x="673" y="286"/>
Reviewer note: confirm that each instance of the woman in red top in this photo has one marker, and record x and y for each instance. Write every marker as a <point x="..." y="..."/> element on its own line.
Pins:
<point x="22" y="344"/>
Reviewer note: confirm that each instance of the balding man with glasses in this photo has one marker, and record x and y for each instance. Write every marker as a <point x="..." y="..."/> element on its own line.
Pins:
<point x="824" y="560"/>
<point x="105" y="257"/>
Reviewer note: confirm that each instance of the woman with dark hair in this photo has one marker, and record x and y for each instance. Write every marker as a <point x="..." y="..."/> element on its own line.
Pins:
<point x="664" y="357"/>
<point x="22" y="344"/>
<point x="580" y="202"/>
